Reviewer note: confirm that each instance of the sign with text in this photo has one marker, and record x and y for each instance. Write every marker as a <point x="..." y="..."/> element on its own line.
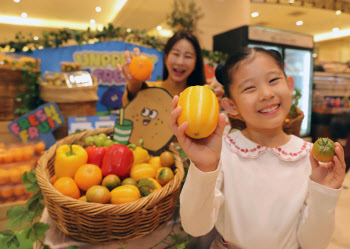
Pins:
<point x="38" y="124"/>
<point x="100" y="60"/>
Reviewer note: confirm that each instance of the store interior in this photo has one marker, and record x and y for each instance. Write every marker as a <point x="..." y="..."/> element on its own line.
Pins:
<point x="56" y="45"/>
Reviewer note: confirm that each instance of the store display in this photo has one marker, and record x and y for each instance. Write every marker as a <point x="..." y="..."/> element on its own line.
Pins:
<point x="15" y="159"/>
<point x="200" y="108"/>
<point x="116" y="222"/>
<point x="68" y="66"/>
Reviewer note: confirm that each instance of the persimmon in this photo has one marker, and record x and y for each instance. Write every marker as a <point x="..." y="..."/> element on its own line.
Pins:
<point x="323" y="150"/>
<point x="98" y="194"/>
<point x="39" y="147"/>
<point x="141" y="67"/>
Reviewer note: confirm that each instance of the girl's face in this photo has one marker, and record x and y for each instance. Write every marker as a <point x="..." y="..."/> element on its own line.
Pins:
<point x="180" y="61"/>
<point x="260" y="92"/>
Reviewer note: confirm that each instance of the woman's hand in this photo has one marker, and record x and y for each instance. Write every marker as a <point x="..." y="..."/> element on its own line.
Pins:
<point x="329" y="174"/>
<point x="204" y="153"/>
<point x="133" y="85"/>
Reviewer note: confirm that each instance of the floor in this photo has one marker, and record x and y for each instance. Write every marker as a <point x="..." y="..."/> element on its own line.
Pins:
<point x="341" y="236"/>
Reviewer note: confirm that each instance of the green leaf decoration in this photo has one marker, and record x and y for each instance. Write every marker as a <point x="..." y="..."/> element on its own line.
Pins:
<point x="18" y="215"/>
<point x="29" y="181"/>
<point x="40" y="229"/>
<point x="9" y="238"/>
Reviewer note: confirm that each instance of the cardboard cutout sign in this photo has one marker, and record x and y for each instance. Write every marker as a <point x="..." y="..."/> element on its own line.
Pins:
<point x="146" y="117"/>
<point x="38" y="124"/>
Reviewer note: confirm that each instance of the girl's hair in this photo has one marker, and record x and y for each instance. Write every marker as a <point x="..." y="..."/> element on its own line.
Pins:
<point x="224" y="72"/>
<point x="197" y="77"/>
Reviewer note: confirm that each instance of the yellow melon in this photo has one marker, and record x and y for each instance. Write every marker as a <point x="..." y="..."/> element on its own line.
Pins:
<point x="200" y="108"/>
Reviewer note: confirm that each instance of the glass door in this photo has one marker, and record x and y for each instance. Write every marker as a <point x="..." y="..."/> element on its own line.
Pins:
<point x="298" y="64"/>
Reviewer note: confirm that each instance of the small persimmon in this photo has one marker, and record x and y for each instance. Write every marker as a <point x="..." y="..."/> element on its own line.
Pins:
<point x="87" y="176"/>
<point x="68" y="187"/>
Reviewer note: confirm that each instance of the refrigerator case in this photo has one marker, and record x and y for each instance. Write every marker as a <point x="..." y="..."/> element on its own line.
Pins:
<point x="296" y="49"/>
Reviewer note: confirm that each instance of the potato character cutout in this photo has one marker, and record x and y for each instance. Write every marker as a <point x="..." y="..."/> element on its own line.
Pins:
<point x="149" y="112"/>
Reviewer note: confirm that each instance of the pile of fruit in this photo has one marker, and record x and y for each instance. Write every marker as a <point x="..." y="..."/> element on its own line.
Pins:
<point x="14" y="161"/>
<point x="103" y="171"/>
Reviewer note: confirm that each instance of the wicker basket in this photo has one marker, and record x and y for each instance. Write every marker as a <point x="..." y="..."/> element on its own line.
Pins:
<point x="291" y="127"/>
<point x="104" y="223"/>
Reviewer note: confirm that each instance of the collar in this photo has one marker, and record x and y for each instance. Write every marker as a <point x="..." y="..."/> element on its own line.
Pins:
<point x="293" y="150"/>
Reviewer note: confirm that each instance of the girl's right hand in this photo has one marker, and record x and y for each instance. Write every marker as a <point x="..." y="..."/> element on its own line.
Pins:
<point x="204" y="153"/>
<point x="133" y="85"/>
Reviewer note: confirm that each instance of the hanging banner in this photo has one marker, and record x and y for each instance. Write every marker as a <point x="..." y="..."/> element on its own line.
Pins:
<point x="38" y="124"/>
<point x="100" y="60"/>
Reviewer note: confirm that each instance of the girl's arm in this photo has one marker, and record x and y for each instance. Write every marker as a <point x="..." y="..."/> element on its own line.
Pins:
<point x="317" y="220"/>
<point x="200" y="198"/>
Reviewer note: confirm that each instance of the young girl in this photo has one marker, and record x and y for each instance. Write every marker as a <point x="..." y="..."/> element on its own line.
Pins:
<point x="260" y="188"/>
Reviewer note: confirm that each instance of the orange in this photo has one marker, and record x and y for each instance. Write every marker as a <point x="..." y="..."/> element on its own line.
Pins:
<point x="24" y="168"/>
<point x="124" y="194"/>
<point x="164" y="175"/>
<point x="39" y="147"/>
<point x="2" y="157"/>
<point x="53" y="179"/>
<point x="200" y="108"/>
<point x="98" y="194"/>
<point x="83" y="198"/>
<point x="6" y="192"/>
<point x="111" y="181"/>
<point x="15" y="175"/>
<point x="68" y="187"/>
<point x="28" y="152"/>
<point x="19" y="190"/>
<point x="4" y="177"/>
<point x="141" y="67"/>
<point x="155" y="162"/>
<point x="17" y="154"/>
<point x="8" y="157"/>
<point x="87" y="176"/>
<point x="167" y="159"/>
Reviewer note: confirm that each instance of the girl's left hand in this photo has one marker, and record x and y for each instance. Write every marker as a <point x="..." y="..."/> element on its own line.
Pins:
<point x="329" y="174"/>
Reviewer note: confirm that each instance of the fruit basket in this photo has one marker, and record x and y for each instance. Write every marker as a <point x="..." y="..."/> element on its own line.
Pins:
<point x="104" y="223"/>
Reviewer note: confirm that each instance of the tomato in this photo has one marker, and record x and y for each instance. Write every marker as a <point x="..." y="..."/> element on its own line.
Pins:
<point x="323" y="150"/>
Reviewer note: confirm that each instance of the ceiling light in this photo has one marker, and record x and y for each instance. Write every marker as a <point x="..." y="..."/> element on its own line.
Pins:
<point x="166" y="33"/>
<point x="36" y="38"/>
<point x="159" y="27"/>
<point x="100" y="27"/>
<point x="16" y="20"/>
<point x="128" y="30"/>
<point x="332" y="35"/>
<point x="299" y="23"/>
<point x="291" y="1"/>
<point x="335" y="29"/>
<point x="92" y="21"/>
<point x="314" y="55"/>
<point x="338" y="12"/>
<point x="16" y="1"/>
<point x="24" y="15"/>
<point x="255" y="14"/>
<point x="98" y="9"/>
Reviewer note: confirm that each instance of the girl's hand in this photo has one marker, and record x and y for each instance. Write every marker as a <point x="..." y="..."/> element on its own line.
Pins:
<point x="133" y="85"/>
<point x="329" y="174"/>
<point x="219" y="89"/>
<point x="204" y="153"/>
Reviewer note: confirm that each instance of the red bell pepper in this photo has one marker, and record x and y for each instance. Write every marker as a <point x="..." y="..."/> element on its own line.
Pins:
<point x="118" y="160"/>
<point x="95" y="154"/>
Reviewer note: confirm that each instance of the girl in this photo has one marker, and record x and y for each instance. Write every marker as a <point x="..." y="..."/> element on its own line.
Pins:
<point x="260" y="188"/>
<point x="183" y="67"/>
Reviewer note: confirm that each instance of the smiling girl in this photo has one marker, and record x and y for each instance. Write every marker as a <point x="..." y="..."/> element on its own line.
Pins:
<point x="260" y="187"/>
<point x="183" y="67"/>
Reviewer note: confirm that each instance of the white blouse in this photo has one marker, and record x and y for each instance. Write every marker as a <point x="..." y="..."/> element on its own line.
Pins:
<point x="260" y="197"/>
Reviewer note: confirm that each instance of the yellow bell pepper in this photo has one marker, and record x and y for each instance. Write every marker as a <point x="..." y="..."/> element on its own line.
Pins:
<point x="68" y="159"/>
<point x="140" y="155"/>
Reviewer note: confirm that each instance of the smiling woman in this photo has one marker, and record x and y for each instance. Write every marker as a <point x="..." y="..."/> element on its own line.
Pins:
<point x="183" y="67"/>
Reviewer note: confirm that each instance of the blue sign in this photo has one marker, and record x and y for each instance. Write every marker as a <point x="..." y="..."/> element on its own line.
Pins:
<point x="100" y="60"/>
<point x="38" y="124"/>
